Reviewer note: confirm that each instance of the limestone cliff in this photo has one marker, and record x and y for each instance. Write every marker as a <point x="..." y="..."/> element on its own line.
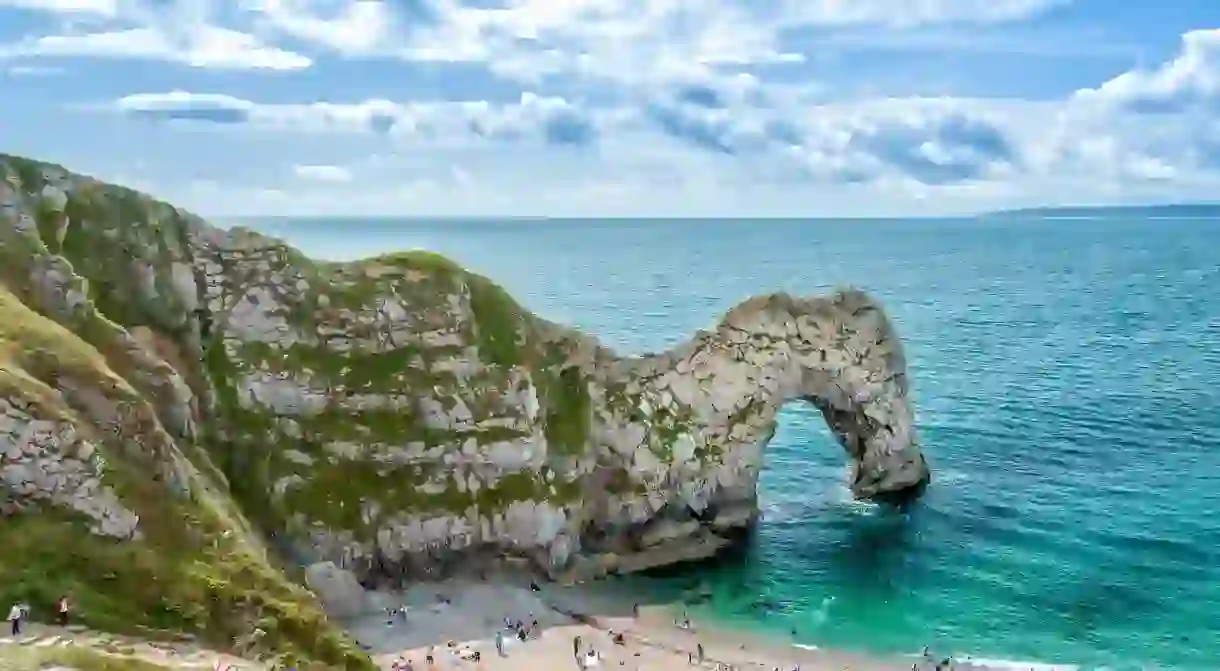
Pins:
<point x="387" y="413"/>
<point x="106" y="493"/>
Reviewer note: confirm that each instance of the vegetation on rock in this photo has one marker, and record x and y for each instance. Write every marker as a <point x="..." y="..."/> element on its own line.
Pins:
<point x="194" y="566"/>
<point x="175" y="398"/>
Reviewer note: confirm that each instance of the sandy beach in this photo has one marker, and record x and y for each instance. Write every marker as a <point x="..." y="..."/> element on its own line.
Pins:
<point x="458" y="618"/>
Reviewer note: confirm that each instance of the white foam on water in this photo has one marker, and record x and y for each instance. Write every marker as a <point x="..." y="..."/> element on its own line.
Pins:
<point x="823" y="612"/>
<point x="949" y="477"/>
<point x="802" y="646"/>
<point x="967" y="662"/>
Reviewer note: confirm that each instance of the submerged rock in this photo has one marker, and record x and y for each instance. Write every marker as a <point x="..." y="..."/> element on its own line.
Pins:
<point x="397" y="414"/>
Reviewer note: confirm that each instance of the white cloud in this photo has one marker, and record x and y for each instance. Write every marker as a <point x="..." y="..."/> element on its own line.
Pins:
<point x="719" y="131"/>
<point x="187" y="32"/>
<point x="102" y="7"/>
<point x="204" y="47"/>
<point x="652" y="106"/>
<point x="358" y="27"/>
<point x="323" y="173"/>
<point x="1189" y="82"/>
<point x="33" y="71"/>
<point x="626" y="40"/>
<point x="616" y="39"/>
<point x="548" y="120"/>
<point x="913" y="12"/>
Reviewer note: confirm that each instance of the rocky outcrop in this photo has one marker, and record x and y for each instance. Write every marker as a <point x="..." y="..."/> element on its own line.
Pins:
<point x="46" y="462"/>
<point x="107" y="490"/>
<point x="339" y="591"/>
<point x="415" y="410"/>
<point x="390" y="413"/>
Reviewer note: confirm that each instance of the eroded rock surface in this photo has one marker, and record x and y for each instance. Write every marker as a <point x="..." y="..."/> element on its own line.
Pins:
<point x="390" y="413"/>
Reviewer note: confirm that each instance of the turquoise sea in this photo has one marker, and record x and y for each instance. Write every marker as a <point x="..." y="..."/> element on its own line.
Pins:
<point x="1067" y="381"/>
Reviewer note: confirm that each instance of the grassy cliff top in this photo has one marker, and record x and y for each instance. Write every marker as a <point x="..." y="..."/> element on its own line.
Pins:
<point x="88" y="436"/>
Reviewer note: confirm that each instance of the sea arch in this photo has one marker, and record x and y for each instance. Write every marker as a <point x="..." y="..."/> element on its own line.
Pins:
<point x="699" y="416"/>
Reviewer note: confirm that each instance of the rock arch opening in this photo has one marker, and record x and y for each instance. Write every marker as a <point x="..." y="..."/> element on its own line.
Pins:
<point x="698" y="423"/>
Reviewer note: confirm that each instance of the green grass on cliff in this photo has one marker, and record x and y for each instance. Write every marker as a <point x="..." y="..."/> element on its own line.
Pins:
<point x="186" y="575"/>
<point x="335" y="490"/>
<point x="122" y="242"/>
<point x="499" y="320"/>
<point x="13" y="658"/>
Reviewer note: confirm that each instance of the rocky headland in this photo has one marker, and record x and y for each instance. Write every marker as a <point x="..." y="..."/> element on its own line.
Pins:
<point x="190" y="414"/>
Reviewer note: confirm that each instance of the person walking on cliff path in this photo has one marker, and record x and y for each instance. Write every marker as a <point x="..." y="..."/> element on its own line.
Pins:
<point x="14" y="617"/>
<point x="61" y="611"/>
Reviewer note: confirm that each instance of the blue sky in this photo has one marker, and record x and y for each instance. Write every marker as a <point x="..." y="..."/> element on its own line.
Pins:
<point x="620" y="107"/>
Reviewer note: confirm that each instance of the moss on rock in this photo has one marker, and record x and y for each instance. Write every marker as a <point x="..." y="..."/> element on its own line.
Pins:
<point x="67" y="365"/>
<point x="368" y="412"/>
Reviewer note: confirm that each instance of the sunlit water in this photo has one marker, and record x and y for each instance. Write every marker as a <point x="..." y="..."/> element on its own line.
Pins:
<point x="1067" y="381"/>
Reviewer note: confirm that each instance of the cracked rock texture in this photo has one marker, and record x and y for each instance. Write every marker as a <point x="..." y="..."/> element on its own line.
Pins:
<point x="391" y="414"/>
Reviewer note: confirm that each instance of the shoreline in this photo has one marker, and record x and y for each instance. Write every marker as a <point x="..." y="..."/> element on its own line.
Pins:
<point x="460" y="616"/>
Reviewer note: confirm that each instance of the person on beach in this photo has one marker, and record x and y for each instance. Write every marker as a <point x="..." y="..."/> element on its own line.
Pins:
<point x="699" y="651"/>
<point x="14" y="617"/>
<point x="61" y="611"/>
<point x="576" y="647"/>
<point x="635" y="610"/>
<point x="500" y="643"/>
<point x="430" y="658"/>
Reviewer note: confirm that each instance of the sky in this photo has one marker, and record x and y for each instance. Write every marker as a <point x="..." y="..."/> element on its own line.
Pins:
<point x="587" y="108"/>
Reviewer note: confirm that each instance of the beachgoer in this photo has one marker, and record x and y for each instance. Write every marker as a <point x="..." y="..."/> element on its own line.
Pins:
<point x="14" y="618"/>
<point x="61" y="611"/>
<point x="635" y="610"/>
<point x="699" y="650"/>
<point x="500" y="643"/>
<point x="576" y="647"/>
<point x="430" y="658"/>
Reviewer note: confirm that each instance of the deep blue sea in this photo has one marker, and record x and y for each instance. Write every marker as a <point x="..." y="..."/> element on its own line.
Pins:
<point x="1067" y="382"/>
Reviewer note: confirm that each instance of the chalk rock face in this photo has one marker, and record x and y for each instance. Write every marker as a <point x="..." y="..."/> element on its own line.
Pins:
<point x="108" y="478"/>
<point x="389" y="413"/>
<point x="338" y="589"/>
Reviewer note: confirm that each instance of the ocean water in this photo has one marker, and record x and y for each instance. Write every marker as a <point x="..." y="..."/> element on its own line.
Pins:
<point x="1067" y="383"/>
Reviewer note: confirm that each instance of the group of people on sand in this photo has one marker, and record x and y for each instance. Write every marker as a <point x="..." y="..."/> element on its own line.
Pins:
<point x="518" y="629"/>
<point x="20" y="612"/>
<point x="585" y="657"/>
<point x="930" y="661"/>
<point x="521" y="630"/>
